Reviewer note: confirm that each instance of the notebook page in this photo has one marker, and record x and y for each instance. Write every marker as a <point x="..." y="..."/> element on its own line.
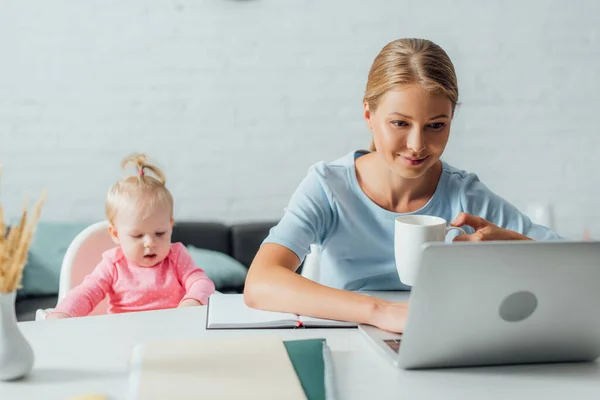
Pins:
<point x="320" y="322"/>
<point x="229" y="311"/>
<point x="330" y="390"/>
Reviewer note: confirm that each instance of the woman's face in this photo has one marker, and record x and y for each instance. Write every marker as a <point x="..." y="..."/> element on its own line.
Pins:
<point x="410" y="129"/>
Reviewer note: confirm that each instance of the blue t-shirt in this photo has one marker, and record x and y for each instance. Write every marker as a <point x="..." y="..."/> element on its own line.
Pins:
<point x="357" y="236"/>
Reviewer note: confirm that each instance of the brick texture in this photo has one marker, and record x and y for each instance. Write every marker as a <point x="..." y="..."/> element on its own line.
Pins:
<point x="236" y="99"/>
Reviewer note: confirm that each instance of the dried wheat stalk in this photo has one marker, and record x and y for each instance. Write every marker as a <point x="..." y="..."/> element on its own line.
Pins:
<point x="14" y="247"/>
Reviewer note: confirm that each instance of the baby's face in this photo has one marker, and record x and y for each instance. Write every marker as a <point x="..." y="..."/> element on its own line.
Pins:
<point x="144" y="237"/>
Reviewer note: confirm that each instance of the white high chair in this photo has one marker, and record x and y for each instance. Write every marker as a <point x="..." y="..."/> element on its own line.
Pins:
<point x="82" y="256"/>
<point x="311" y="268"/>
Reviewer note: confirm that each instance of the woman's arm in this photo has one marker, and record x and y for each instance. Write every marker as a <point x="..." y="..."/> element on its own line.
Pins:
<point x="494" y="218"/>
<point x="272" y="284"/>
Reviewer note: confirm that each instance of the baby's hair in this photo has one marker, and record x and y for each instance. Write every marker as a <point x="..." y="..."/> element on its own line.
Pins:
<point x="141" y="163"/>
<point x="141" y="192"/>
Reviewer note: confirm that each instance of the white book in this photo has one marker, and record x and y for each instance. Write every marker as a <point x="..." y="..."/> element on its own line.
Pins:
<point x="213" y="368"/>
<point x="228" y="311"/>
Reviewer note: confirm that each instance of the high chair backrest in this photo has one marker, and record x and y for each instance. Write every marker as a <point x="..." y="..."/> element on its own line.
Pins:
<point x="311" y="268"/>
<point x="82" y="256"/>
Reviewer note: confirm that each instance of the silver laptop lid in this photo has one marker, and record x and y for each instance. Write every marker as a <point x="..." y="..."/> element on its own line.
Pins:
<point x="503" y="303"/>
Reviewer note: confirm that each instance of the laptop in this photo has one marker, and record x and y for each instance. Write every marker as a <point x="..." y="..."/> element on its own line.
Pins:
<point x="495" y="303"/>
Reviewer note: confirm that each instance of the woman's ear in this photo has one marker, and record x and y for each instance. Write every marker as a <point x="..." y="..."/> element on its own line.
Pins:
<point x="367" y="115"/>
<point x="114" y="235"/>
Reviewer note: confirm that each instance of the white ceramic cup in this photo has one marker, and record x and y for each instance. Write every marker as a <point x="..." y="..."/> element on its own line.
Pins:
<point x="410" y="233"/>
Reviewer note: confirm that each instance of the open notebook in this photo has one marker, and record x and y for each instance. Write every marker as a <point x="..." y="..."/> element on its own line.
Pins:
<point x="228" y="311"/>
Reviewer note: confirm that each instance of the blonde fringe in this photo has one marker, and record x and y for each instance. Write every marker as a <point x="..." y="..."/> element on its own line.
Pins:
<point x="14" y="247"/>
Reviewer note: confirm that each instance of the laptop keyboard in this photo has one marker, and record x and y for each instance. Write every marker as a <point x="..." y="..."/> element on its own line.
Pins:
<point x="393" y="344"/>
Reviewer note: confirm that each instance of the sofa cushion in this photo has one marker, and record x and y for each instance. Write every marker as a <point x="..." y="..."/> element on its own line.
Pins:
<point x="226" y="272"/>
<point x="246" y="240"/>
<point x="45" y="256"/>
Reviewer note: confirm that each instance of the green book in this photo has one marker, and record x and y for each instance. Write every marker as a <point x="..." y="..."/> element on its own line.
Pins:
<point x="312" y="362"/>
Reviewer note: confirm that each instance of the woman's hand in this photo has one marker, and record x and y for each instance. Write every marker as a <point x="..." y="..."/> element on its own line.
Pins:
<point x="484" y="230"/>
<point x="57" y="315"/>
<point x="390" y="316"/>
<point x="189" y="303"/>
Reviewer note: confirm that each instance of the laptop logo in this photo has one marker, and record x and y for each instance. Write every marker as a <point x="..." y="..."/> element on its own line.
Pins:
<point x="518" y="306"/>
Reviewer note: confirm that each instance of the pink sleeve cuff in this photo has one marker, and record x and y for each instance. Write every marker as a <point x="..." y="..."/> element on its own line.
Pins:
<point x="59" y="312"/>
<point x="200" y="297"/>
<point x="200" y="290"/>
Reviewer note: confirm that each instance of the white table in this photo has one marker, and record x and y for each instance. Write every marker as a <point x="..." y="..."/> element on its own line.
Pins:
<point x="90" y="355"/>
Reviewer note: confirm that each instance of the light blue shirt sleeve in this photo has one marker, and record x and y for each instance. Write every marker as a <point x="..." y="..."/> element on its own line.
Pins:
<point x="308" y="218"/>
<point x="477" y="199"/>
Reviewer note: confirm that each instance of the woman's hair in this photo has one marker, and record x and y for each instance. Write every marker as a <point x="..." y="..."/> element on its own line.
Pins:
<point x="411" y="61"/>
<point x="139" y="193"/>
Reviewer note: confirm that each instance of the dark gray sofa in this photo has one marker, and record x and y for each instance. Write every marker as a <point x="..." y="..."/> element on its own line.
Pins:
<point x="240" y="241"/>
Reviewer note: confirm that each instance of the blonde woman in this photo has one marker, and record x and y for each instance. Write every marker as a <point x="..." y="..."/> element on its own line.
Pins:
<point x="145" y="271"/>
<point x="348" y="206"/>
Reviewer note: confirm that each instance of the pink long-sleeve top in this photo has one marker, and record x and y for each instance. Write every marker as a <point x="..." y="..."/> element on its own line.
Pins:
<point x="131" y="287"/>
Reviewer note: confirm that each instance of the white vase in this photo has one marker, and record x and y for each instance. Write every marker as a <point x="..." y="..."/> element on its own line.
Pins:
<point x="16" y="355"/>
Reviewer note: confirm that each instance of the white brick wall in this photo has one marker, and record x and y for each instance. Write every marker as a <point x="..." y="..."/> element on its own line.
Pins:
<point x="236" y="99"/>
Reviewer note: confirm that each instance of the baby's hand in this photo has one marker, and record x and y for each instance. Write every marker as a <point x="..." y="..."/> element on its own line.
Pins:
<point x="189" y="303"/>
<point x="57" y="315"/>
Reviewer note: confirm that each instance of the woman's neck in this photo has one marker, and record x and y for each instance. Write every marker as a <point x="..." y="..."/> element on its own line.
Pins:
<point x="391" y="191"/>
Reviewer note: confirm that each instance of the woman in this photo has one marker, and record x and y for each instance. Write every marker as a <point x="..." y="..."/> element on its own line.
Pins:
<point x="348" y="206"/>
